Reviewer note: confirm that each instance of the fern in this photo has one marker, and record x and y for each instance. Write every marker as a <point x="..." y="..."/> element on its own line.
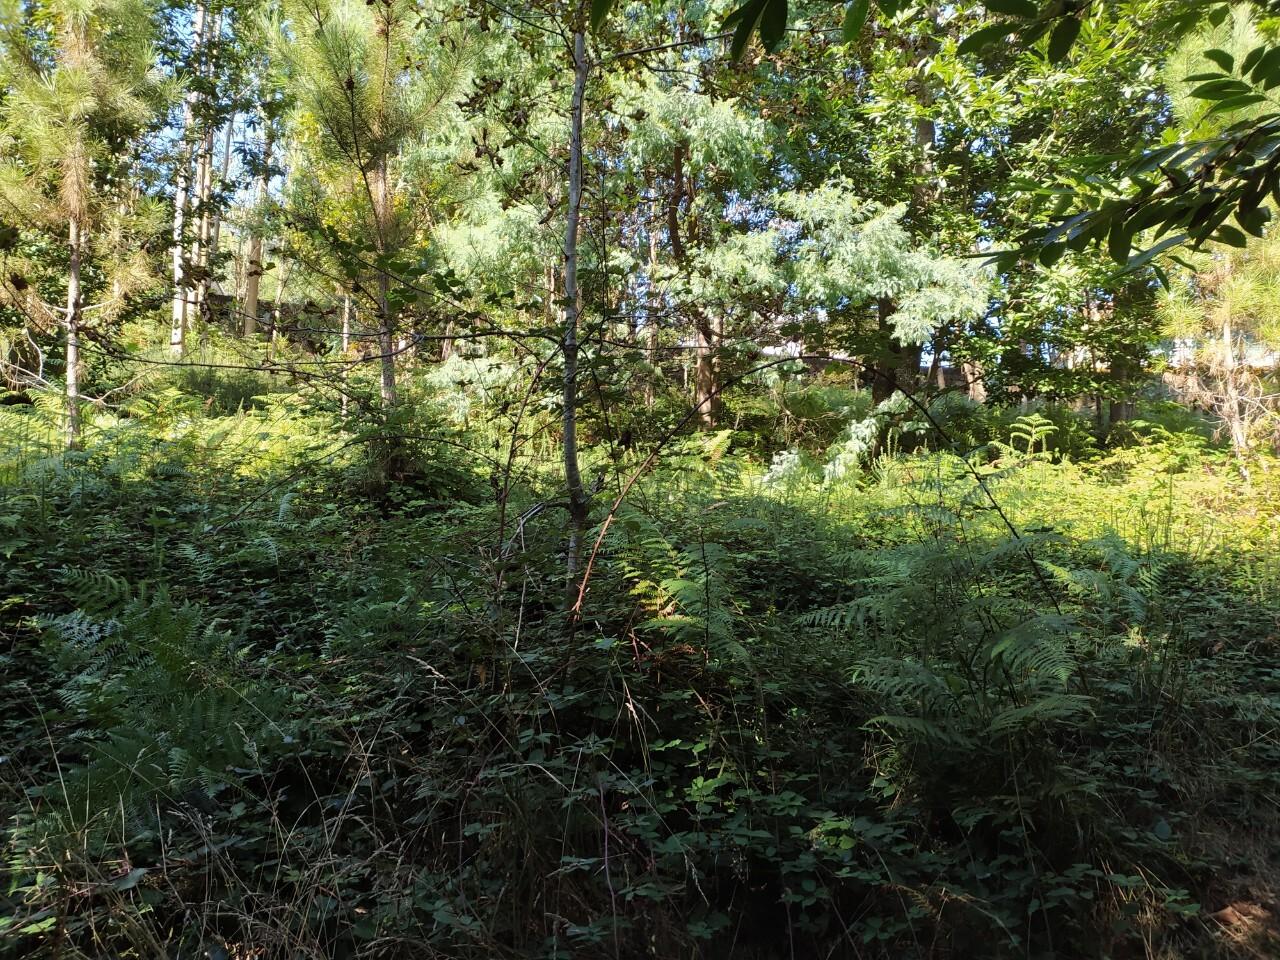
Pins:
<point x="95" y="591"/>
<point x="687" y="592"/>
<point x="171" y="693"/>
<point x="1036" y="649"/>
<point x="1047" y="709"/>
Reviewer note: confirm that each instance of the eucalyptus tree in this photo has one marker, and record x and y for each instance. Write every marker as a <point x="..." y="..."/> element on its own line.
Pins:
<point x="79" y="89"/>
<point x="1070" y="324"/>
<point x="197" y="69"/>
<point x="861" y="274"/>
<point x="886" y="109"/>
<point x="255" y="223"/>
<point x="1001" y="124"/>
<point x="213" y="45"/>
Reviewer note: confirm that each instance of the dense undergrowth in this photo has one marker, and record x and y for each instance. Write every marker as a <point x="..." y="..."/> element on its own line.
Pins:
<point x="276" y="689"/>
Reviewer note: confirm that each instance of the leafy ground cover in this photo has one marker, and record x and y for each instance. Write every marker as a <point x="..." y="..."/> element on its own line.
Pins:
<point x="266" y="699"/>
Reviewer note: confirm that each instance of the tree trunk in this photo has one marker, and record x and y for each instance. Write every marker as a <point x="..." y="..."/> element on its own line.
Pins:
<point x="202" y="255"/>
<point x="215" y="227"/>
<point x="381" y="188"/>
<point x="1232" y="405"/>
<point x="73" y="334"/>
<point x="704" y="371"/>
<point x="974" y="384"/>
<point x="200" y="246"/>
<point x="884" y="370"/>
<point x="707" y="331"/>
<point x="901" y="371"/>
<point x="253" y="277"/>
<point x="569" y="340"/>
<point x="446" y="343"/>
<point x="386" y="345"/>
<point x="651" y="321"/>
<point x="924" y="173"/>
<point x="346" y="347"/>
<point x="181" y="291"/>
<point x="178" y="325"/>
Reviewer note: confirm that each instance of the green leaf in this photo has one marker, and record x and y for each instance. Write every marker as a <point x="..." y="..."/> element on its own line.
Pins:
<point x="1220" y="89"/>
<point x="1268" y="65"/>
<point x="1013" y="8"/>
<point x="1051" y="253"/>
<point x="599" y="10"/>
<point x="1119" y="241"/>
<point x="747" y="17"/>
<point x="1063" y="38"/>
<point x="1255" y="220"/>
<point x="1154" y="158"/>
<point x="1148" y="215"/>
<point x="773" y="24"/>
<point x="1094" y="230"/>
<point x="984" y="38"/>
<point x="1252" y="59"/>
<point x="1142" y="259"/>
<point x="855" y="18"/>
<point x="1236" y="103"/>
<point x="1231" y="236"/>
<point x="1223" y="59"/>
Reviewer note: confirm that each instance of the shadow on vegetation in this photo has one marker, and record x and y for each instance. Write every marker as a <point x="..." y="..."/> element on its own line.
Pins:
<point x="255" y="713"/>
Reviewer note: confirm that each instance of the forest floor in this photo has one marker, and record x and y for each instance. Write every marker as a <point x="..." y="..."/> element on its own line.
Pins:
<point x="267" y="698"/>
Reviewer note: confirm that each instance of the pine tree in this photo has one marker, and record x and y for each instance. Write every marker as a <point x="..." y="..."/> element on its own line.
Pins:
<point x="373" y="87"/>
<point x="80" y="89"/>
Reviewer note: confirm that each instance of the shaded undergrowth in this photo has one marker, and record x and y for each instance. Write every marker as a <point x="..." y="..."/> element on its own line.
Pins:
<point x="258" y="711"/>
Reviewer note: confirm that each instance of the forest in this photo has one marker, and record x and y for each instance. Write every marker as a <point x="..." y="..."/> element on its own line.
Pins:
<point x="636" y="479"/>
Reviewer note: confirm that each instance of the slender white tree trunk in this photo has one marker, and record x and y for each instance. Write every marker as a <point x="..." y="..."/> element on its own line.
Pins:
<point x="200" y="245"/>
<point x="73" y="334"/>
<point x="201" y="254"/>
<point x="346" y="347"/>
<point x="253" y="277"/>
<point x="578" y="502"/>
<point x="178" y="326"/>
<point x="181" y="198"/>
<point x="651" y="320"/>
